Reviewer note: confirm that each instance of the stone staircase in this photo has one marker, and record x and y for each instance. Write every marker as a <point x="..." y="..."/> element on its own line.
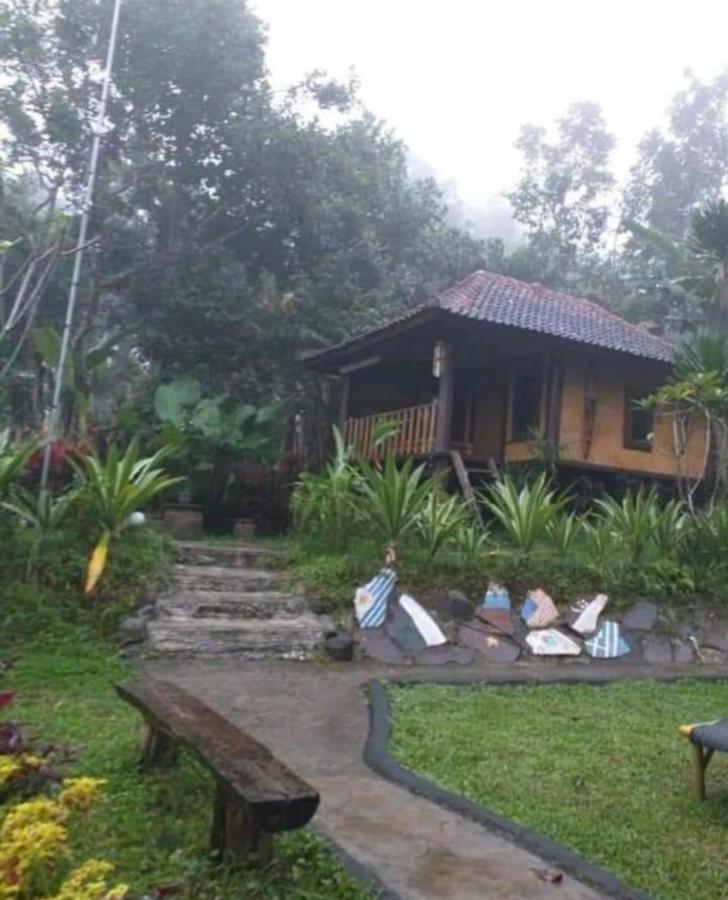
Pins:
<point x="231" y="600"/>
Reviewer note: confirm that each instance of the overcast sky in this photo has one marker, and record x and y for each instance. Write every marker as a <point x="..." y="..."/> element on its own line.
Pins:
<point x="457" y="78"/>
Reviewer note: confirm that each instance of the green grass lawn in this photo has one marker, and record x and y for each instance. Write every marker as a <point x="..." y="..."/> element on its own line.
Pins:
<point x="601" y="770"/>
<point x="154" y="827"/>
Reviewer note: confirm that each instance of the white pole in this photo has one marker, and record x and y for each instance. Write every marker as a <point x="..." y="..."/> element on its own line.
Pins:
<point x="97" y="129"/>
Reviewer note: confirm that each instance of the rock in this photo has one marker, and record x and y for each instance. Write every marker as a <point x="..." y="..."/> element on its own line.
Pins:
<point x="339" y="646"/>
<point x="552" y="642"/>
<point x="447" y="654"/>
<point x="538" y="610"/>
<point x="607" y="643"/>
<point x="709" y="656"/>
<point x="146" y="612"/>
<point x="329" y="626"/>
<point x="683" y="652"/>
<point x="657" y="651"/>
<point x="377" y="644"/>
<point x="583" y="616"/>
<point x="495" y="647"/>
<point x="453" y="605"/>
<point x="641" y="616"/>
<point x="716" y="637"/>
<point x="133" y="630"/>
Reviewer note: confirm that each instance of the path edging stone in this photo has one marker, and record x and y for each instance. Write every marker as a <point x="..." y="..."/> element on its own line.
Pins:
<point x="377" y="757"/>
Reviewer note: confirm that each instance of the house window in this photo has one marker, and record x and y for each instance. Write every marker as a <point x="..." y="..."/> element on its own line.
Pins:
<point x="638" y="421"/>
<point x="526" y="404"/>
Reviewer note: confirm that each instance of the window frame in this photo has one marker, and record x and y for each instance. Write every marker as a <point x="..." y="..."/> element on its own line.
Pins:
<point x="643" y="445"/>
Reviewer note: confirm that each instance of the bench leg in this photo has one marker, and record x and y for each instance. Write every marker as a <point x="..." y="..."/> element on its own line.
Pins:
<point x="701" y="758"/>
<point x="235" y="836"/>
<point x="158" y="750"/>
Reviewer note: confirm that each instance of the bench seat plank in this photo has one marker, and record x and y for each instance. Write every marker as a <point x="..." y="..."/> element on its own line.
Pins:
<point x="277" y="798"/>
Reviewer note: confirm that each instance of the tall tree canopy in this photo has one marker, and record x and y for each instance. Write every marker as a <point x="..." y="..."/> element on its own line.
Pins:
<point x="234" y="228"/>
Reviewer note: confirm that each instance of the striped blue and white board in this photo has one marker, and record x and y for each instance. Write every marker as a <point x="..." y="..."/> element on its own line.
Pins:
<point x="607" y="643"/>
<point x="371" y="600"/>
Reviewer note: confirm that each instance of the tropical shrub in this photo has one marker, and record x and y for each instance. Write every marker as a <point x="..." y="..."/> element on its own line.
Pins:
<point x="471" y="540"/>
<point x="115" y="488"/>
<point x="562" y="531"/>
<point x="393" y="498"/>
<point x="638" y="523"/>
<point x="13" y="459"/>
<point x="441" y="518"/>
<point x="324" y="505"/>
<point x="524" y="514"/>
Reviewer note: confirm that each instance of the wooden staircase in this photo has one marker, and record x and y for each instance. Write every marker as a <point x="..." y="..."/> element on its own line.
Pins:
<point x="463" y="473"/>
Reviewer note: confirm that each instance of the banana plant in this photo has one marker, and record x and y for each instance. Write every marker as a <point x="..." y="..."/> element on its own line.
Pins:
<point x="115" y="488"/>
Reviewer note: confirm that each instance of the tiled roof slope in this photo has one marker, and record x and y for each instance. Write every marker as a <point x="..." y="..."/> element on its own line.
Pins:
<point x="501" y="300"/>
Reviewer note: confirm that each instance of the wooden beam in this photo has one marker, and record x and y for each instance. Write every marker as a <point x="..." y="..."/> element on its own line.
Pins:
<point x="344" y="402"/>
<point x="445" y="401"/>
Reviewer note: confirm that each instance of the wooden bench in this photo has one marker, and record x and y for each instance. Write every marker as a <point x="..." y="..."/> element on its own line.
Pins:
<point x="255" y="794"/>
<point x="705" y="738"/>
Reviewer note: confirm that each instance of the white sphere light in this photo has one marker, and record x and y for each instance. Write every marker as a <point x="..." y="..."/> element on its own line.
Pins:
<point x="137" y="518"/>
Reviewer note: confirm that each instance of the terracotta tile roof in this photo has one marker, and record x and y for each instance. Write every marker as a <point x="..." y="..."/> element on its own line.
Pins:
<point x="501" y="300"/>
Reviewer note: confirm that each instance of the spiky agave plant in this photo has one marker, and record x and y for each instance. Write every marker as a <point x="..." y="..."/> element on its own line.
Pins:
<point x="440" y="519"/>
<point x="393" y="498"/>
<point x="115" y="488"/>
<point x="526" y="513"/>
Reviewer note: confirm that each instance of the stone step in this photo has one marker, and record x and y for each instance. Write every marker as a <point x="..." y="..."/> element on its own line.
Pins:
<point x="232" y="555"/>
<point x="296" y="638"/>
<point x="201" y="604"/>
<point x="223" y="578"/>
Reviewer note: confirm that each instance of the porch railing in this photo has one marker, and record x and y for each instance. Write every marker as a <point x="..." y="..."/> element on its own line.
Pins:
<point x="416" y="427"/>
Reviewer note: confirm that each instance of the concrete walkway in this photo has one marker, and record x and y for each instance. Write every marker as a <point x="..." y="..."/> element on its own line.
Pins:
<point x="314" y="717"/>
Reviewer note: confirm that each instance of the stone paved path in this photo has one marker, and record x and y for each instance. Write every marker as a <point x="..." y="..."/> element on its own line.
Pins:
<point x="314" y="717"/>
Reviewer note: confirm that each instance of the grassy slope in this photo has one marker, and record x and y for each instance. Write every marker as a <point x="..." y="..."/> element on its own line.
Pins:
<point x="154" y="827"/>
<point x="602" y="770"/>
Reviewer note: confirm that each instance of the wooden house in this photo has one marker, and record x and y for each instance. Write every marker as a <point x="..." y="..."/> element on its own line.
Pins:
<point x="500" y="371"/>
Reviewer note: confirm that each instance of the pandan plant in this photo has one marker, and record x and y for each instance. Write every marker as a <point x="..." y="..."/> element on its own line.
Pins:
<point x="115" y="488"/>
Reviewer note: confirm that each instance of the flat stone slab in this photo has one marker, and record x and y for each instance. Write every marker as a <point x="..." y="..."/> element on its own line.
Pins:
<point x="683" y="651"/>
<point x="230" y="605"/>
<point x="496" y="648"/>
<point x="657" y="650"/>
<point x="233" y="555"/>
<point x="449" y="606"/>
<point x="445" y="655"/>
<point x="641" y="617"/>
<point x="716" y="637"/>
<point x="377" y="644"/>
<point x="225" y="578"/>
<point x="286" y="638"/>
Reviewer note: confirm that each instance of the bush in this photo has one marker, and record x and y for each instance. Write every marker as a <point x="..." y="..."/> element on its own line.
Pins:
<point x="41" y="581"/>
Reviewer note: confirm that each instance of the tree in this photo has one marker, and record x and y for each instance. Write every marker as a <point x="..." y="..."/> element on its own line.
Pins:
<point x="562" y="197"/>
<point x="685" y="164"/>
<point x="234" y="229"/>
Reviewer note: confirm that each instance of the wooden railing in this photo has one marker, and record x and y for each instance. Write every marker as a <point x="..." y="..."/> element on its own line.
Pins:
<point x="415" y="426"/>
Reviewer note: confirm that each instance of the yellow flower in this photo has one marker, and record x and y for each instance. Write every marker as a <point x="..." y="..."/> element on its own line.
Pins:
<point x="30" y="813"/>
<point x="29" y="848"/>
<point x="9" y="768"/>
<point x="88" y="882"/>
<point x="79" y="794"/>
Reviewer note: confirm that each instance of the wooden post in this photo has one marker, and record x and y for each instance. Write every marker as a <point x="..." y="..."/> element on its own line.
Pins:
<point x="445" y="401"/>
<point x="235" y="837"/>
<point x="344" y="401"/>
<point x="158" y="749"/>
<point x="701" y="758"/>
